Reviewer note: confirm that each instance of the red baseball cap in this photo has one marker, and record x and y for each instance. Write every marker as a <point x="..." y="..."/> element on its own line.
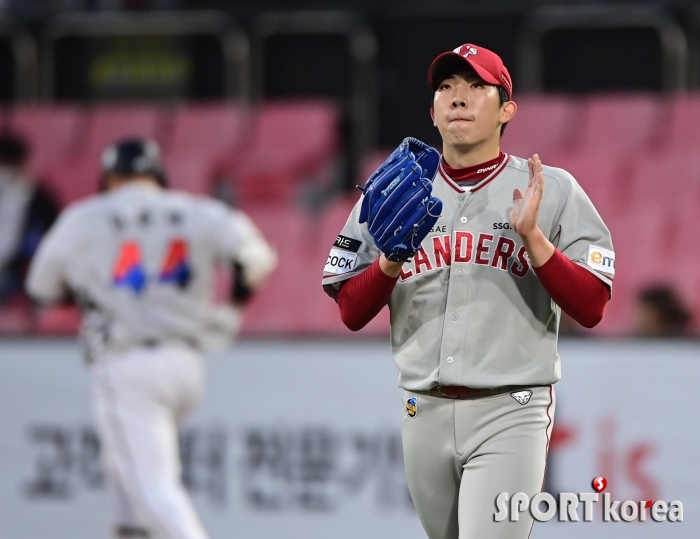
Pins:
<point x="487" y="64"/>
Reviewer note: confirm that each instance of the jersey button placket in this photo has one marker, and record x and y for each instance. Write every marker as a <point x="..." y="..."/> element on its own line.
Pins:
<point x="448" y="366"/>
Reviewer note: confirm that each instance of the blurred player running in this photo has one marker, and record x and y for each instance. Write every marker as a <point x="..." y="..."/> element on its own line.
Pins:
<point x="140" y="261"/>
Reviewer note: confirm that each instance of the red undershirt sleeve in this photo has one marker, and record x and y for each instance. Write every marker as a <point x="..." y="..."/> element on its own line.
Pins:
<point x="361" y="297"/>
<point x="578" y="292"/>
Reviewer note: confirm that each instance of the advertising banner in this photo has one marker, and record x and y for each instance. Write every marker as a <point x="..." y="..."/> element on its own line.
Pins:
<point x="300" y="439"/>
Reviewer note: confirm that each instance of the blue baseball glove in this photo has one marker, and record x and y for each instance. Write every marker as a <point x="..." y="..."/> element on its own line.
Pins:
<point x="397" y="205"/>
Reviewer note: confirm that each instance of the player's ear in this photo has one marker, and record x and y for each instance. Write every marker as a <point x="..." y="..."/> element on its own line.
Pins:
<point x="508" y="110"/>
<point x="432" y="115"/>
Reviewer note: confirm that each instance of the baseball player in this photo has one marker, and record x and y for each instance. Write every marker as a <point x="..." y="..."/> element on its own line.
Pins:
<point x="140" y="260"/>
<point x="476" y="253"/>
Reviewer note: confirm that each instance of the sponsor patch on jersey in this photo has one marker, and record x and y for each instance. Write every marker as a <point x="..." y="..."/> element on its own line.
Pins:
<point x="523" y="397"/>
<point x="340" y="261"/>
<point x="601" y="259"/>
<point x="349" y="244"/>
<point x="412" y="407"/>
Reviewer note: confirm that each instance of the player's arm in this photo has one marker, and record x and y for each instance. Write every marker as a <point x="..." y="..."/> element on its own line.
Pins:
<point x="353" y="277"/>
<point x="46" y="281"/>
<point x="579" y="293"/>
<point x="395" y="214"/>
<point x="253" y="258"/>
<point x="523" y="217"/>
<point x="360" y="298"/>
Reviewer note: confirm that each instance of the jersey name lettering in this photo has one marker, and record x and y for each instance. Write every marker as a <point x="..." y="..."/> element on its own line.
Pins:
<point x="498" y="252"/>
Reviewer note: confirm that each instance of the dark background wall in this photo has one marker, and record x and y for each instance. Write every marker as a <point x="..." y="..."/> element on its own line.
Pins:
<point x="409" y="35"/>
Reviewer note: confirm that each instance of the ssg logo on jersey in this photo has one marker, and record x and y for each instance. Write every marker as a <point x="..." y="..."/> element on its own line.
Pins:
<point x="128" y="269"/>
<point x="175" y="267"/>
<point x="412" y="407"/>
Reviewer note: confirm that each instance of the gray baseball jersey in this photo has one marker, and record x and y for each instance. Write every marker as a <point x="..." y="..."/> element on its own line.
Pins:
<point x="468" y="310"/>
<point x="141" y="262"/>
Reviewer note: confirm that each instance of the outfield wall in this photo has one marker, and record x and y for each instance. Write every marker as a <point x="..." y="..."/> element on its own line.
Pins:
<point x="300" y="439"/>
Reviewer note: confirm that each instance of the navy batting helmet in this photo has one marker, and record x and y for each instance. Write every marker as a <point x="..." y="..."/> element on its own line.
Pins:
<point x="131" y="157"/>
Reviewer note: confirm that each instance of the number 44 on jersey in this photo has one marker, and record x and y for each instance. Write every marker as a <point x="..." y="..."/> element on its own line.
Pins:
<point x="129" y="270"/>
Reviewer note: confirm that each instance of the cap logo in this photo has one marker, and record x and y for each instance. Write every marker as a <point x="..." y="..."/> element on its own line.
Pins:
<point x="465" y="50"/>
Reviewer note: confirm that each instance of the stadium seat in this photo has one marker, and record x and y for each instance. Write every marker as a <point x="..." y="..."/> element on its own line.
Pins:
<point x="640" y="259"/>
<point x="603" y="179"/>
<point x="50" y="130"/>
<point x="623" y="124"/>
<point x="293" y="301"/>
<point x="15" y="319"/>
<point x="281" y="306"/>
<point x="57" y="320"/>
<point x="201" y="135"/>
<point x="682" y="130"/>
<point x="291" y="142"/>
<point x="77" y="176"/>
<point x="542" y="125"/>
<point x="668" y="179"/>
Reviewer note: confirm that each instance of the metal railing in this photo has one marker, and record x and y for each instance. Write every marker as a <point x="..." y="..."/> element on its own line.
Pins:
<point x="24" y="52"/>
<point x="672" y="40"/>
<point x="693" y="32"/>
<point x="234" y="41"/>
<point x="362" y="45"/>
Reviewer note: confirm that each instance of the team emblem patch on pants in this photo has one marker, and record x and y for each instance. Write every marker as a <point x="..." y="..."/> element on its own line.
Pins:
<point x="412" y="407"/>
<point x="523" y="397"/>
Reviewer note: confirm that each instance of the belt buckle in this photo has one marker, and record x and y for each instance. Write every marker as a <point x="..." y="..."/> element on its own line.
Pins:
<point x="439" y="388"/>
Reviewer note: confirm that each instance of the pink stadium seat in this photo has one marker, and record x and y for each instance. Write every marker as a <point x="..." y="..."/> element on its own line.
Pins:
<point x="51" y="131"/>
<point x="542" y="125"/>
<point x="603" y="179"/>
<point x="621" y="124"/>
<point x="682" y="131"/>
<point x="201" y="135"/>
<point x="58" y="320"/>
<point x="15" y="319"/>
<point x="291" y="142"/>
<point x="78" y="175"/>
<point x="639" y="241"/>
<point x="293" y="301"/>
<point x="281" y="305"/>
<point x="669" y="179"/>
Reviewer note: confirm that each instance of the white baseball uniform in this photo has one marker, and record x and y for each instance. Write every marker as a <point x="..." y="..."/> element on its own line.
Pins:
<point x="469" y="311"/>
<point x="140" y="262"/>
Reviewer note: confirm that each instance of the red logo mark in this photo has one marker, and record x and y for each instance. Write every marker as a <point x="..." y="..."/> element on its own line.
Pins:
<point x="649" y="504"/>
<point x="599" y="483"/>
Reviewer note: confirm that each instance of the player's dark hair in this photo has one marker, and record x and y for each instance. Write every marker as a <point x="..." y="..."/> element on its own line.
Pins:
<point x="13" y="150"/>
<point x="502" y="94"/>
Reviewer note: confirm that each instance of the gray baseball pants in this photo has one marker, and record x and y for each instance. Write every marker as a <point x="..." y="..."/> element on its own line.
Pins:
<point x="460" y="454"/>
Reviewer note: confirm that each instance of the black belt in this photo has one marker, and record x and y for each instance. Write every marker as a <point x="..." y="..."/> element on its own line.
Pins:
<point x="156" y="343"/>
<point x="460" y="392"/>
